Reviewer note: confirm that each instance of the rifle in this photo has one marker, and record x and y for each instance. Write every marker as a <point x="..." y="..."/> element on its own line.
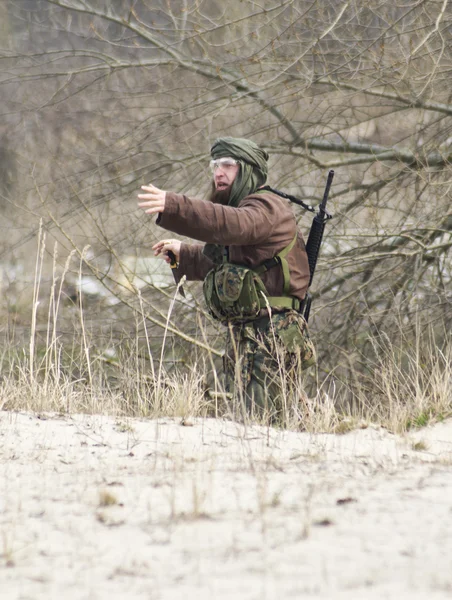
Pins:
<point x="315" y="234"/>
<point x="315" y="240"/>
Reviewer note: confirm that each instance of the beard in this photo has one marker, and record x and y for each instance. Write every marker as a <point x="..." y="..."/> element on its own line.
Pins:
<point x="219" y="196"/>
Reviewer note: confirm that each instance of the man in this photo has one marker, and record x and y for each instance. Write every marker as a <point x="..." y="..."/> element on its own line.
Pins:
<point x="255" y="272"/>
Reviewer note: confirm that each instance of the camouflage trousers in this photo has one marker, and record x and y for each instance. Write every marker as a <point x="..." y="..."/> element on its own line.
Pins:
<point x="264" y="361"/>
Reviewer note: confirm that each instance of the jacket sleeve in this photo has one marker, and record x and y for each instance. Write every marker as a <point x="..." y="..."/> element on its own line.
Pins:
<point x="192" y="262"/>
<point x="249" y="224"/>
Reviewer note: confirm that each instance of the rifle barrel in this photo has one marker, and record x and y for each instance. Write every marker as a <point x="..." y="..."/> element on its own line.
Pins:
<point x="329" y="181"/>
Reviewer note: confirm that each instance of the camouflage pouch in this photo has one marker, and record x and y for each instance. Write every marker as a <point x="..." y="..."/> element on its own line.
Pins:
<point x="233" y="293"/>
<point x="291" y="332"/>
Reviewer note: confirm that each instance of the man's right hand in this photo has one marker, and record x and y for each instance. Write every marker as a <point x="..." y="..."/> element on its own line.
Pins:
<point x="164" y="246"/>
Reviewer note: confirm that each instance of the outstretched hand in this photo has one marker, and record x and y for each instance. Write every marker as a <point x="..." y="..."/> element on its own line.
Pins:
<point x="153" y="201"/>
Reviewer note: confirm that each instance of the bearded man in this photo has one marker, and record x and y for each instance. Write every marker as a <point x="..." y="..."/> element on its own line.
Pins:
<point x="255" y="270"/>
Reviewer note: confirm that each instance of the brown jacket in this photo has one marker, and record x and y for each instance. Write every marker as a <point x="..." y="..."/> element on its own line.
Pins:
<point x="262" y="225"/>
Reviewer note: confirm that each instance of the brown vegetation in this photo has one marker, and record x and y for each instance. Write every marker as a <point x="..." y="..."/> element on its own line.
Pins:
<point x="98" y="97"/>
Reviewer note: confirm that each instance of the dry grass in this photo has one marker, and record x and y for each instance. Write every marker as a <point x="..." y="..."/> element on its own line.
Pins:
<point x="403" y="398"/>
<point x="411" y="380"/>
<point x="405" y="385"/>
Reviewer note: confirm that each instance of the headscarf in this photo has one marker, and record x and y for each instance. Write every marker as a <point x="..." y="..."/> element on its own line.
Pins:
<point x="253" y="165"/>
<point x="251" y="175"/>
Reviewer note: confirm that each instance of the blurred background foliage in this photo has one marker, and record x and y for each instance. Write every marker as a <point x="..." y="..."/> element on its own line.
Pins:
<point x="98" y="97"/>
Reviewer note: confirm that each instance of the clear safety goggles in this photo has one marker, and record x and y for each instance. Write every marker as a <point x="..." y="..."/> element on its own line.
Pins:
<point x="225" y="163"/>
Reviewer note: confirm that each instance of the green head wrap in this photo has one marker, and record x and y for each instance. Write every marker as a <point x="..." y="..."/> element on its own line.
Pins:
<point x="252" y="175"/>
<point x="253" y="165"/>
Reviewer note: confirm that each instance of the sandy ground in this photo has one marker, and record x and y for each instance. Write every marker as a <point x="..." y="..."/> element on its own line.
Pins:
<point x="93" y="507"/>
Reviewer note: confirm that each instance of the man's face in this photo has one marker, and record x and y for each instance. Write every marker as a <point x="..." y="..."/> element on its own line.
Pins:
<point x="224" y="172"/>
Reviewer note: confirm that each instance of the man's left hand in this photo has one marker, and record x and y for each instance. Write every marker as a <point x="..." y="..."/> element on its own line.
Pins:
<point x="153" y="201"/>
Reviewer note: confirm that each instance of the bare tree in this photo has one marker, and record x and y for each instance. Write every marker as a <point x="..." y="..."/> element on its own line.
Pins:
<point x="99" y="96"/>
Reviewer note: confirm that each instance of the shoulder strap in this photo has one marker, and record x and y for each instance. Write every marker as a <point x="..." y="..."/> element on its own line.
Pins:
<point x="279" y="259"/>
